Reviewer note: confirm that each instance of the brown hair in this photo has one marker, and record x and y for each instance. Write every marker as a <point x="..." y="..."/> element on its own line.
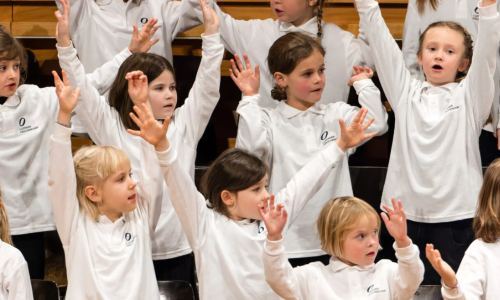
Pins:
<point x="234" y="170"/>
<point x="11" y="49"/>
<point x="487" y="220"/>
<point x="319" y="17"/>
<point x="152" y="65"/>
<point x="338" y="216"/>
<point x="4" y="224"/>
<point x="467" y="43"/>
<point x="421" y="5"/>
<point x="286" y="53"/>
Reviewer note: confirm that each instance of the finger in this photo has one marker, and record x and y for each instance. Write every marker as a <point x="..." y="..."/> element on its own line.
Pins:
<point x="394" y="205"/>
<point x="280" y="207"/>
<point x="232" y="75"/>
<point x="166" y="123"/>
<point x="389" y="210"/>
<point x="77" y="92"/>
<point x="148" y="113"/>
<point x="369" y="70"/>
<point x="235" y="69"/>
<point x="136" y="31"/>
<point x="257" y="71"/>
<point x="369" y="135"/>
<point x="57" y="79"/>
<point x="285" y="214"/>
<point x="66" y="8"/>
<point x="358" y="116"/>
<point x="271" y="203"/>
<point x="262" y="212"/>
<point x="385" y="218"/>
<point x="135" y="119"/>
<point x="65" y="78"/>
<point x="58" y="16"/>
<point x="356" y="70"/>
<point x="362" y="69"/>
<point x="363" y="116"/>
<point x="239" y="63"/>
<point x="134" y="132"/>
<point x="154" y="30"/>
<point x="155" y="41"/>
<point x="142" y="116"/>
<point x="247" y="62"/>
<point x="342" y="126"/>
<point x="367" y="124"/>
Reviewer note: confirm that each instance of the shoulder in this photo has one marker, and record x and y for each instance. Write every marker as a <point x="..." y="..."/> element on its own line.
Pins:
<point x="10" y="257"/>
<point x="479" y="247"/>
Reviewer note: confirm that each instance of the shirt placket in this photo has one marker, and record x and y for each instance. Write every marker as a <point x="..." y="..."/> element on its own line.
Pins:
<point x="310" y="136"/>
<point x="354" y="287"/>
<point x="433" y="106"/>
<point x="8" y="122"/>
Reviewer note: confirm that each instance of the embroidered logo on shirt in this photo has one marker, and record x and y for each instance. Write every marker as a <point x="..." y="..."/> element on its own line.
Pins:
<point x="262" y="229"/>
<point x="475" y="16"/>
<point x="22" y="121"/>
<point x="452" y="107"/>
<point x="144" y="20"/>
<point x="324" y="137"/>
<point x="23" y="128"/>
<point x="129" y="239"/>
<point x="374" y="290"/>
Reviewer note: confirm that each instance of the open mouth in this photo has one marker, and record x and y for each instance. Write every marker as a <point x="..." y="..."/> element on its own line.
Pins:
<point x="437" y="67"/>
<point x="371" y="254"/>
<point x="11" y="86"/>
<point x="132" y="198"/>
<point x="316" y="90"/>
<point x="169" y="105"/>
<point x="278" y="11"/>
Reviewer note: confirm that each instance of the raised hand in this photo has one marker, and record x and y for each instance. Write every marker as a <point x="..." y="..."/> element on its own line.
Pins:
<point x="396" y="223"/>
<point x="67" y="99"/>
<point x="273" y="217"/>
<point x="141" y="41"/>
<point x="151" y="131"/>
<point x="137" y="87"/>
<point x="247" y="81"/>
<point x="444" y="270"/>
<point x="210" y="18"/>
<point x="354" y="134"/>
<point x="62" y="27"/>
<point x="360" y="74"/>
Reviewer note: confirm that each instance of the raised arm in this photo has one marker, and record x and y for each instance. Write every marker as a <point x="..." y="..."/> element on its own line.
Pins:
<point x="411" y="36"/>
<point x="387" y="56"/>
<point x="62" y="178"/>
<point x="480" y="83"/>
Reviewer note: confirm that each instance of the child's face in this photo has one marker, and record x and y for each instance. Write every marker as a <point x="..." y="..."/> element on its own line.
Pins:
<point x="441" y="55"/>
<point x="118" y="193"/>
<point x="306" y="83"/>
<point x="361" y="243"/>
<point x="9" y="77"/>
<point x="297" y="12"/>
<point x="163" y="95"/>
<point x="246" y="202"/>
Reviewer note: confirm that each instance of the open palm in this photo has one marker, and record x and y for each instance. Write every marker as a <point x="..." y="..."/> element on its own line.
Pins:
<point x="246" y="80"/>
<point x="274" y="217"/>
<point x="444" y="270"/>
<point x="67" y="99"/>
<point x="354" y="134"/>
<point x="151" y="131"/>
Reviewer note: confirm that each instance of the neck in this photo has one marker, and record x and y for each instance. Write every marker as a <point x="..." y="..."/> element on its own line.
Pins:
<point x="112" y="216"/>
<point x="299" y="104"/>
<point x="3" y="100"/>
<point x="304" y="18"/>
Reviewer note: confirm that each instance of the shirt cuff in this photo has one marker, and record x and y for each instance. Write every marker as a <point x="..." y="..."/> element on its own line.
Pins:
<point x="274" y="248"/>
<point x="406" y="252"/>
<point x="452" y="294"/>
<point x="488" y="11"/>
<point x="165" y="158"/>
<point x="254" y="99"/>
<point x="65" y="51"/>
<point x="361" y="84"/>
<point x="364" y="3"/>
<point x="62" y="133"/>
<point x="209" y="41"/>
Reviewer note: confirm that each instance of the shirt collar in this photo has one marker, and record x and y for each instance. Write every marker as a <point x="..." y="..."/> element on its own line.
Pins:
<point x="289" y="112"/>
<point x="310" y="27"/>
<point x="336" y="265"/>
<point x="12" y="102"/>
<point x="447" y="87"/>
<point x="103" y="219"/>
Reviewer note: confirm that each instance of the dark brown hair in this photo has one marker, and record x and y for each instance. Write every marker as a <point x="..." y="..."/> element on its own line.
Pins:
<point x="421" y="5"/>
<point x="467" y="43"/>
<point x="11" y="49"/>
<point x="286" y="53"/>
<point x="487" y="220"/>
<point x="234" y="170"/>
<point x="319" y="17"/>
<point x="152" y="65"/>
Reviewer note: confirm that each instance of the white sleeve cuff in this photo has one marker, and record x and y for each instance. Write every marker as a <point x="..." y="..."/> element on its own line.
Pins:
<point x="61" y="133"/>
<point x="209" y="41"/>
<point x="274" y="248"/>
<point x="488" y="11"/>
<point x="364" y="3"/>
<point x="65" y="51"/>
<point x="166" y="157"/>
<point x="452" y="294"/>
<point x="406" y="252"/>
<point x="252" y="99"/>
<point x="361" y="84"/>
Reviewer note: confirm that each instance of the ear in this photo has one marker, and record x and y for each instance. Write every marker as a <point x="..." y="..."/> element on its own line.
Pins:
<point x="313" y="3"/>
<point x="463" y="65"/>
<point x="93" y="194"/>
<point x="228" y="198"/>
<point x="281" y="79"/>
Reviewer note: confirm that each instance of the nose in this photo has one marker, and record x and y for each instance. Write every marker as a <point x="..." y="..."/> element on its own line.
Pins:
<point x="439" y="55"/>
<point x="266" y="194"/>
<point x="132" y="184"/>
<point x="11" y="73"/>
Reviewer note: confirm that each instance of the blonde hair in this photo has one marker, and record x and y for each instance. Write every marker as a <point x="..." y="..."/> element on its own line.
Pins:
<point x="4" y="224"/>
<point x="422" y="3"/>
<point x="486" y="222"/>
<point x="339" y="216"/>
<point x="93" y="165"/>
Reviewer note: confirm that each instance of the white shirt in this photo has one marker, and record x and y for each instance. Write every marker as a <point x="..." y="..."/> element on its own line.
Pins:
<point x="104" y="259"/>
<point x="435" y="166"/>
<point x="26" y="123"/>
<point x="186" y="127"/>
<point x="478" y="273"/>
<point x="255" y="37"/>
<point x="15" y="282"/>
<point x="384" y="280"/>
<point x="464" y="12"/>
<point x="227" y="252"/>
<point x="286" y="139"/>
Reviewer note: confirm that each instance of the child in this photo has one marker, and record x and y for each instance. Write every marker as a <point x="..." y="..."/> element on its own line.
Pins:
<point x="477" y="277"/>
<point x="226" y="233"/>
<point x="349" y="231"/>
<point x="106" y="124"/>
<point x="105" y="224"/>
<point x="435" y="162"/>
<point x="27" y="114"/>
<point x="422" y="13"/>
<point x="289" y="136"/>
<point x="14" y="276"/>
<point x="255" y="37"/>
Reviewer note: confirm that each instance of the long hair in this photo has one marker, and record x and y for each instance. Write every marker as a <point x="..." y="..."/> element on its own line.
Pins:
<point x="4" y="224"/>
<point x="487" y="220"/>
<point x="421" y="4"/>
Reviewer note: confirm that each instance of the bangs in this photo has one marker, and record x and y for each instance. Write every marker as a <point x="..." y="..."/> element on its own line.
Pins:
<point x="111" y="161"/>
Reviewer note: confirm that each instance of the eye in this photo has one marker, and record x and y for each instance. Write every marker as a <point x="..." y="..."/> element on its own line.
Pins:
<point x="375" y="232"/>
<point x="160" y="88"/>
<point x="2" y="68"/>
<point x="173" y="88"/>
<point x="432" y="48"/>
<point x="256" y="189"/>
<point x="307" y="74"/>
<point x="450" y="52"/>
<point x="16" y="66"/>
<point x="130" y="174"/>
<point x="322" y="70"/>
<point x="121" y="179"/>
<point x="360" y="236"/>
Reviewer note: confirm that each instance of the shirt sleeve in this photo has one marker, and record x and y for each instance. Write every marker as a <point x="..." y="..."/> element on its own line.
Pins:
<point x="406" y="278"/>
<point x="62" y="183"/>
<point x="192" y="118"/>
<point x="287" y="282"/>
<point x="188" y="203"/>
<point x="411" y="37"/>
<point x="254" y="129"/>
<point x="18" y="284"/>
<point x="180" y="16"/>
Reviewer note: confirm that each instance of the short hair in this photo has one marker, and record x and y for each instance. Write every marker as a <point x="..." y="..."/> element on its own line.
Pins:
<point x="93" y="165"/>
<point x="486" y="223"/>
<point x="338" y="216"/>
<point x="11" y="49"/>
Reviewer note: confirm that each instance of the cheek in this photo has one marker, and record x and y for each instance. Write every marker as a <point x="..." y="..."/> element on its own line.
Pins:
<point x="303" y="87"/>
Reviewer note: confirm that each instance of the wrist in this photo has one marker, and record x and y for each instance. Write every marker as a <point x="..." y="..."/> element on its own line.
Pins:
<point x="450" y="283"/>
<point x="209" y="30"/>
<point x="274" y="237"/>
<point x="162" y="145"/>
<point x="64" y="117"/>
<point x="64" y="42"/>
<point x="341" y="144"/>
<point x="250" y="94"/>
<point x="132" y="49"/>
<point x="404" y="242"/>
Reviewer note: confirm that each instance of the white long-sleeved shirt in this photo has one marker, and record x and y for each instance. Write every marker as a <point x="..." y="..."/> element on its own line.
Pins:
<point x="105" y="259"/>
<point x="15" y="282"/>
<point x="255" y="37"/>
<point x="186" y="127"/>
<point x="385" y="280"/>
<point x="26" y="123"/>
<point x="478" y="273"/>
<point x="465" y="12"/>
<point x="435" y="166"/>
<point x="286" y="139"/>
<point x="227" y="252"/>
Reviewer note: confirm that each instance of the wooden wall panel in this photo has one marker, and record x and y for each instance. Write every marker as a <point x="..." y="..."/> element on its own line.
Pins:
<point x="5" y="11"/>
<point x="33" y="11"/>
